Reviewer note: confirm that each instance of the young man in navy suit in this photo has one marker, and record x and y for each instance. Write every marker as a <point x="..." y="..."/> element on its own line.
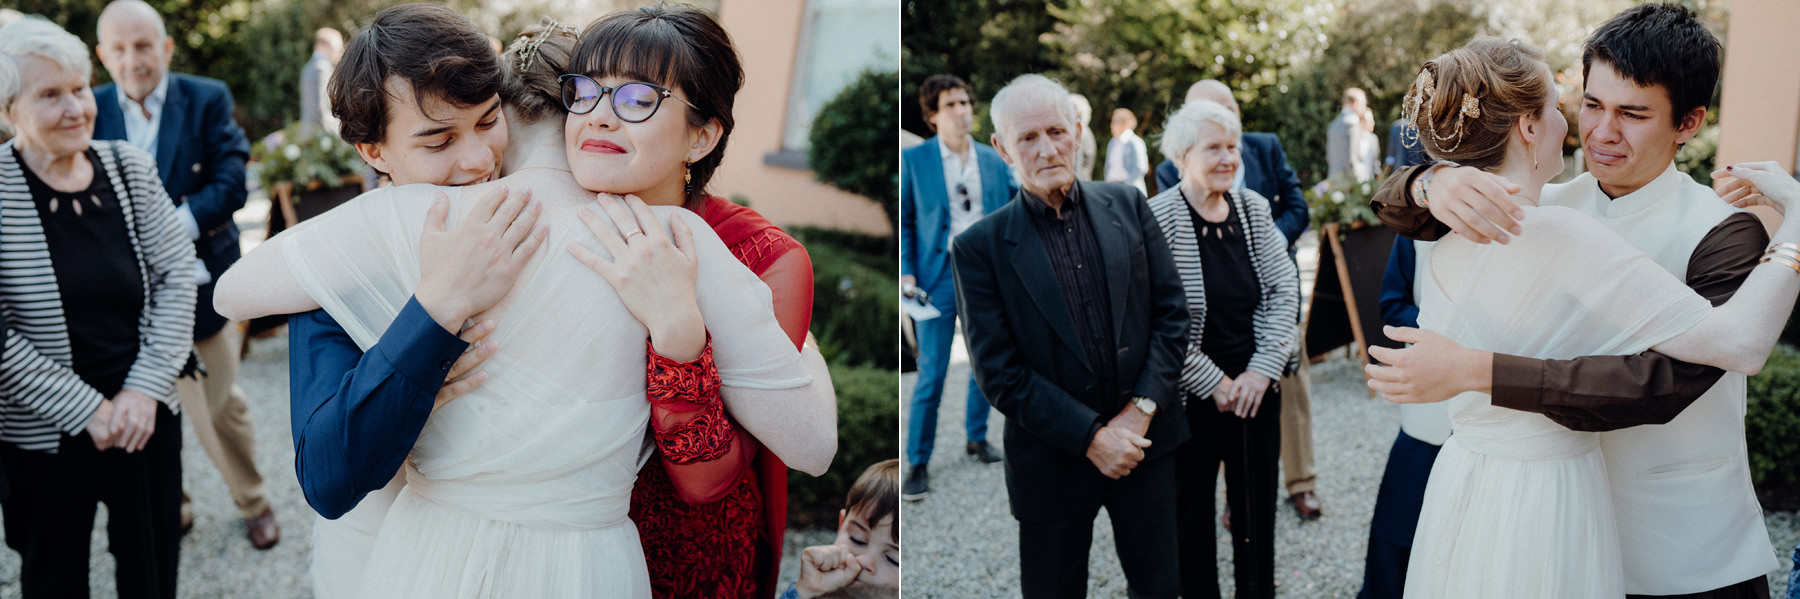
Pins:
<point x="185" y="122"/>
<point x="946" y="184"/>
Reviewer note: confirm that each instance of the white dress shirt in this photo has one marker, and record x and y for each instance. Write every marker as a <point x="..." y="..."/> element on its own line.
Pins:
<point x="143" y="131"/>
<point x="961" y="170"/>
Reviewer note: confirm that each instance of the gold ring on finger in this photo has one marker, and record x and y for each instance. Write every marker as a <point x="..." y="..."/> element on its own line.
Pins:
<point x="628" y="235"/>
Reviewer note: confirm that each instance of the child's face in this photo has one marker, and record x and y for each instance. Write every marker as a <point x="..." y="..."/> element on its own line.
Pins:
<point x="438" y="142"/>
<point x="874" y="547"/>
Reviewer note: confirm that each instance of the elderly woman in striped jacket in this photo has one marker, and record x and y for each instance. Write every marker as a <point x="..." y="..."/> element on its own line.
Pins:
<point x="1243" y="294"/>
<point x="97" y="293"/>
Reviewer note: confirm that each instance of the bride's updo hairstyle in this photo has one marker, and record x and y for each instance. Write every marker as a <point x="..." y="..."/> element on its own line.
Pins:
<point x="1463" y="105"/>
<point x="679" y="47"/>
<point x="532" y="64"/>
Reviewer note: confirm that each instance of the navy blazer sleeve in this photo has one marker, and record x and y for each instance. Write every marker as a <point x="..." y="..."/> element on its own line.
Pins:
<point x="357" y="415"/>
<point x="226" y="152"/>
<point x="1167" y="176"/>
<point x="1398" y="308"/>
<point x="1289" y="200"/>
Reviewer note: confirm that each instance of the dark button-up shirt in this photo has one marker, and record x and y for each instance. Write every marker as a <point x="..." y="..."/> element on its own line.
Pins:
<point x="1081" y="275"/>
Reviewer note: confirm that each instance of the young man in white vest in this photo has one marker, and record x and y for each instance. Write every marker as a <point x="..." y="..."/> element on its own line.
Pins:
<point x="1673" y="432"/>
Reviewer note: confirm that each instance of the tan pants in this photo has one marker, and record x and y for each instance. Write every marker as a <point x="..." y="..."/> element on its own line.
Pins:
<point x="221" y="421"/>
<point x="1296" y="427"/>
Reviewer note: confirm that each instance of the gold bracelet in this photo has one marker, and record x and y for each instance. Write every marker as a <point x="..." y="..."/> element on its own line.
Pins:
<point x="1784" y="261"/>
<point x="1795" y="248"/>
<point x="1785" y="252"/>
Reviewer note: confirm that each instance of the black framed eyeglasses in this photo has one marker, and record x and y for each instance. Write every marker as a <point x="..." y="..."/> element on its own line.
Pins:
<point x="963" y="190"/>
<point x="633" y="102"/>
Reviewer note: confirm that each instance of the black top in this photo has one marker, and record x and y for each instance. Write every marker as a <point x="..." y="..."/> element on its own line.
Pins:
<point x="1080" y="273"/>
<point x="96" y="275"/>
<point x="1232" y="291"/>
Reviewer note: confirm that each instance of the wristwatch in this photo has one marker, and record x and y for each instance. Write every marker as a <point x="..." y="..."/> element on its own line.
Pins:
<point x="1143" y="404"/>
<point x="1422" y="183"/>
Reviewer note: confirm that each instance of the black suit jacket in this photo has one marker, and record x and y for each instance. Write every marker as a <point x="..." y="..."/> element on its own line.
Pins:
<point x="1266" y="170"/>
<point x="1027" y="355"/>
<point x="200" y="155"/>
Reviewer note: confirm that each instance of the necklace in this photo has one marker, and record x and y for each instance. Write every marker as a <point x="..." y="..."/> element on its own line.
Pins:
<point x="524" y="168"/>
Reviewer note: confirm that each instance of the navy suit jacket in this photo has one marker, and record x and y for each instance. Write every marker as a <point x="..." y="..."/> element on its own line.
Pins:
<point x="200" y="155"/>
<point x="1266" y="170"/>
<point x="925" y="213"/>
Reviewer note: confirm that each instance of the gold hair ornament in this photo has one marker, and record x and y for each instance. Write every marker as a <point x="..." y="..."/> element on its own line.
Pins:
<point x="528" y="43"/>
<point x="1424" y="102"/>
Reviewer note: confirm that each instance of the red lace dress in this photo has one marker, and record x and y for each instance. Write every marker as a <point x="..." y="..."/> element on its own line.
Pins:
<point x="712" y="511"/>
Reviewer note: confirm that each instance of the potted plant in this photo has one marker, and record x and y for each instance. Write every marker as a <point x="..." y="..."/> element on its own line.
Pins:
<point x="307" y="171"/>
<point x="1353" y="254"/>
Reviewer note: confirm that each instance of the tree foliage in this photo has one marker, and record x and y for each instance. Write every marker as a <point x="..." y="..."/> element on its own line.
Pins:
<point x="854" y="138"/>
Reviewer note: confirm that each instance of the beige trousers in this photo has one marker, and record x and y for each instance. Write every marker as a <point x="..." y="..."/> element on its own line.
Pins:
<point x="1296" y="427"/>
<point x="215" y="406"/>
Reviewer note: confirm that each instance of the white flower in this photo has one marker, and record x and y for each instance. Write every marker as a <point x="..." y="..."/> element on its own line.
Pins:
<point x="325" y="143"/>
<point x="1337" y="197"/>
<point x="291" y="151"/>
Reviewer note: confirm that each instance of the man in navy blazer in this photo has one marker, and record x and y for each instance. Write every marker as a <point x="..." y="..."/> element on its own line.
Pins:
<point x="946" y="184"/>
<point x="185" y="123"/>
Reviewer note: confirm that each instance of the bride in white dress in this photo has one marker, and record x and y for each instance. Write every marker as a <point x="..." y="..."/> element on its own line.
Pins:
<point x="1517" y="505"/>
<point x="521" y="487"/>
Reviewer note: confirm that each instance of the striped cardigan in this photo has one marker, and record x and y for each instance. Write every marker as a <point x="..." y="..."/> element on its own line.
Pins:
<point x="1280" y="281"/>
<point x="40" y="395"/>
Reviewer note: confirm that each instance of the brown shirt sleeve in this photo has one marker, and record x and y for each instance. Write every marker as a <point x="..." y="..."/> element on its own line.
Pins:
<point x="1395" y="208"/>
<point x="1602" y="393"/>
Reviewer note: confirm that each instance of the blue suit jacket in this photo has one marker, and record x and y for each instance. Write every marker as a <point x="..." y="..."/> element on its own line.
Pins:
<point x="925" y="213"/>
<point x="1266" y="170"/>
<point x="200" y="155"/>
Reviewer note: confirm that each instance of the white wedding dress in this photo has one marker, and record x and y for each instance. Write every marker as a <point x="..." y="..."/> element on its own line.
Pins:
<point x="521" y="487"/>
<point x="1517" y="505"/>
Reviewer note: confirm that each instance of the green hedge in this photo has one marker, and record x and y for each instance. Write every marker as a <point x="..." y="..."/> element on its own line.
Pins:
<point x="1773" y="429"/>
<point x="868" y="430"/>
<point x="855" y="296"/>
<point x="854" y="136"/>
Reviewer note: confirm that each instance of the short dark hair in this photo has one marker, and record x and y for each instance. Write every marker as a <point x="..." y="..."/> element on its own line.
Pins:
<point x="1659" y="44"/>
<point x="933" y="88"/>
<point x="678" y="47"/>
<point x="876" y="494"/>
<point x="435" y="50"/>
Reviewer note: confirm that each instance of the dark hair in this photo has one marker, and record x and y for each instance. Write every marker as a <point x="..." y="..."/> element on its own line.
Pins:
<point x="934" y="88"/>
<point x="1464" y="102"/>
<point x="876" y="494"/>
<point x="679" y="47"/>
<point x="1659" y="44"/>
<point x="532" y="65"/>
<point x="439" y="52"/>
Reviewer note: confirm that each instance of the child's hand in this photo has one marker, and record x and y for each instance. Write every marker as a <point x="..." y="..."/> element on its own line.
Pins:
<point x="825" y="569"/>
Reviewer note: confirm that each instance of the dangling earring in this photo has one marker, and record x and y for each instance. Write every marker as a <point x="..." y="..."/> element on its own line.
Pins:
<point x="1534" y="157"/>
<point x="687" y="178"/>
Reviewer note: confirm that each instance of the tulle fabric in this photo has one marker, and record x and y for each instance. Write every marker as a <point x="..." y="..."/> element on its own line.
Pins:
<point x="521" y="488"/>
<point x="1517" y="505"/>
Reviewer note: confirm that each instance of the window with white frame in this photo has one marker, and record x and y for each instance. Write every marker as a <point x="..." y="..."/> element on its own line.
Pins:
<point x="839" y="39"/>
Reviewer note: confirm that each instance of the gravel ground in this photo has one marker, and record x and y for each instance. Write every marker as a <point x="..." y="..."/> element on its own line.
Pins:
<point x="962" y="541"/>
<point x="217" y="560"/>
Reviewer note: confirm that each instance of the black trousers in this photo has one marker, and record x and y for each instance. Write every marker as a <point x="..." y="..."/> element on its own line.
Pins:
<point x="1755" y="588"/>
<point x="1250" y="449"/>
<point x="50" y="513"/>
<point x="1053" y="554"/>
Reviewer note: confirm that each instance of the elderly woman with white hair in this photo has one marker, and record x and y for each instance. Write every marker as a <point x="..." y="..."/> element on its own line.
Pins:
<point x="97" y="292"/>
<point x="1243" y="294"/>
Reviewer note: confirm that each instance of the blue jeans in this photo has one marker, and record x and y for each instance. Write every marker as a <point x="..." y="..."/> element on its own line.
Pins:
<point x="935" y="337"/>
<point x="1793" y="591"/>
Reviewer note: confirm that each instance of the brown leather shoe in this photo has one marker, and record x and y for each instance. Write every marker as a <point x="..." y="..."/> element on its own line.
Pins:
<point x="1307" y="504"/>
<point x="264" y="531"/>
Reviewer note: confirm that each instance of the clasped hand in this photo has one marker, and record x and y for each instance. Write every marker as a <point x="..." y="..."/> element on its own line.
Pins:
<point x="654" y="272"/>
<point x="1748" y="184"/>
<point x="126" y="421"/>
<point x="1119" y="446"/>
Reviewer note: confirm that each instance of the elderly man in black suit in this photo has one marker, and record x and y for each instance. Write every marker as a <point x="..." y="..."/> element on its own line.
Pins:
<point x="1076" y="324"/>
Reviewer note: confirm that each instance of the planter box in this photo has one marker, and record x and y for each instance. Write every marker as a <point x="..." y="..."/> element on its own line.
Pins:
<point x="1350" y="295"/>
<point x="291" y="205"/>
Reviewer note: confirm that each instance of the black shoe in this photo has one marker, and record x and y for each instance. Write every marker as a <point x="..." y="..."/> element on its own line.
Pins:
<point x="917" y="485"/>
<point x="984" y="452"/>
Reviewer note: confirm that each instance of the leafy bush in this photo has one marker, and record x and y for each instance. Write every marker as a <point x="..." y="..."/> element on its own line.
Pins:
<point x="1772" y="426"/>
<point x="1342" y="200"/>
<point x="868" y="428"/>
<point x="303" y="153"/>
<point x="855" y="296"/>
<point x="854" y="138"/>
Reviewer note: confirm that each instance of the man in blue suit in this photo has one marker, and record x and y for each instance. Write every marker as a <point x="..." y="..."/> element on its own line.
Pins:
<point x="185" y="123"/>
<point x="1266" y="170"/>
<point x="946" y="184"/>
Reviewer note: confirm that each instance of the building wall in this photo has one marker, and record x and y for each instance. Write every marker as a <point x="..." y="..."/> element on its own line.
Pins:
<point x="1759" y="112"/>
<point x="768" y="34"/>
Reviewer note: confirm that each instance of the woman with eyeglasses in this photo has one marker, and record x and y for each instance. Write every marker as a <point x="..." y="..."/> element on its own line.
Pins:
<point x="529" y="475"/>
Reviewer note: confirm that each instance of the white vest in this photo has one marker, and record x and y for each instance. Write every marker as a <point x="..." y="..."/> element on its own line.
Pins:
<point x="1688" y="516"/>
